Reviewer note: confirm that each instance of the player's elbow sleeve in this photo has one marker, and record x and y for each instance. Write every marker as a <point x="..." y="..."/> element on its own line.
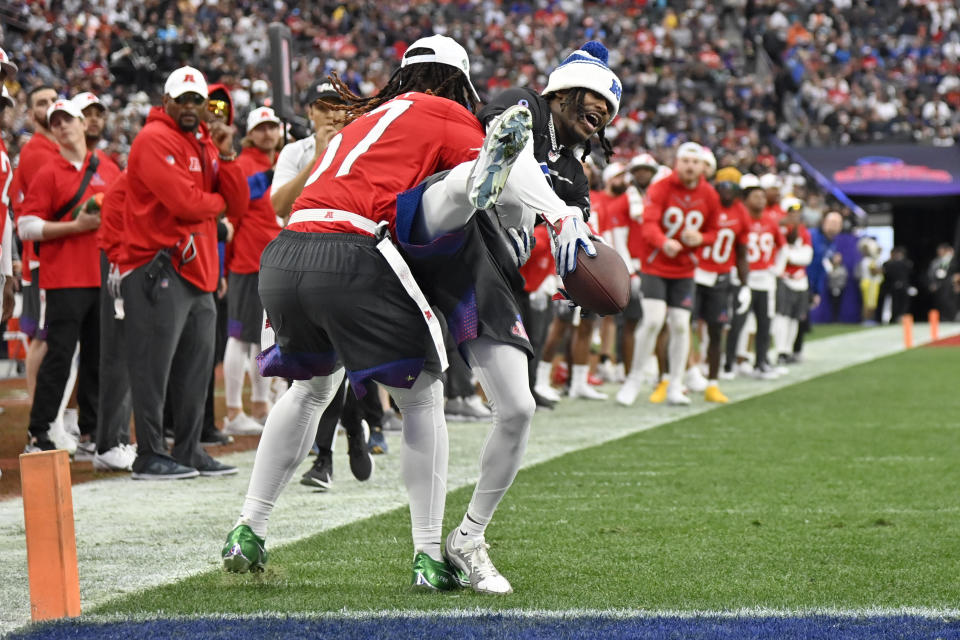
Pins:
<point x="30" y="228"/>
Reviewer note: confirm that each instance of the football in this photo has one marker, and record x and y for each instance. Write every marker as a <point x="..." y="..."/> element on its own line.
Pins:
<point x="600" y="284"/>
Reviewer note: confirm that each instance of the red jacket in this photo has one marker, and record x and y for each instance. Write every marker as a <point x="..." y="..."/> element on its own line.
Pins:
<point x="669" y="208"/>
<point x="6" y="177"/>
<point x="36" y="153"/>
<point x="257" y="226"/>
<point x="176" y="189"/>
<point x="71" y="261"/>
<point x="110" y="233"/>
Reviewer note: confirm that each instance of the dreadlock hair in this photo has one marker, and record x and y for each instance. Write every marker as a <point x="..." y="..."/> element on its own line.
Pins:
<point x="574" y="100"/>
<point x="432" y="78"/>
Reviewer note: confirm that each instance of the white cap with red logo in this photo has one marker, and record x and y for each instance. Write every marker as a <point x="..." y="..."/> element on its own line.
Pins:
<point x="7" y="67"/>
<point x="86" y="99"/>
<point x="66" y="106"/>
<point x="259" y="116"/>
<point x="185" y="80"/>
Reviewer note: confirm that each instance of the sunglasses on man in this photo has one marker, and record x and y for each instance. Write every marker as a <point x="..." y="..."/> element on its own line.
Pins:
<point x="190" y="98"/>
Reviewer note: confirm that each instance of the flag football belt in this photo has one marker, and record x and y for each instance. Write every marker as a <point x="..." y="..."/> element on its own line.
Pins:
<point x="389" y="251"/>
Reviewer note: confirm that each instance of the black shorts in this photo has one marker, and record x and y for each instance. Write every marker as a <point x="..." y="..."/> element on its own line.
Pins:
<point x="565" y="312"/>
<point x="469" y="275"/>
<point x="676" y="292"/>
<point x="634" y="310"/>
<point x="792" y="303"/>
<point x="712" y="303"/>
<point x="244" y="311"/>
<point x="32" y="314"/>
<point x="332" y="299"/>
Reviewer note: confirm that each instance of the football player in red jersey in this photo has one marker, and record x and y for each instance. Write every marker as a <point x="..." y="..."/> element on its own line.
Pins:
<point x="764" y="244"/>
<point x="679" y="215"/>
<point x="341" y="299"/>
<point x="793" y="298"/>
<point x="770" y="183"/>
<point x="56" y="214"/>
<point x="714" y="275"/>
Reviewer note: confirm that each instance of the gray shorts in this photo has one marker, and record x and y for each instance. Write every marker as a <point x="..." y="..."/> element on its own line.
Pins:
<point x="244" y="311"/>
<point x="792" y="303"/>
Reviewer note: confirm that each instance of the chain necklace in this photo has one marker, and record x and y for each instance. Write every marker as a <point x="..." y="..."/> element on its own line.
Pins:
<point x="554" y="152"/>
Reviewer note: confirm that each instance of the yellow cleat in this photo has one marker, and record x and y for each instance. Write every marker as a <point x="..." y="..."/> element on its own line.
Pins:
<point x="660" y="393"/>
<point x="713" y="394"/>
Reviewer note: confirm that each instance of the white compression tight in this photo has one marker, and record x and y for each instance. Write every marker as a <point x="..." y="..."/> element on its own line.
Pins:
<point x="502" y="371"/>
<point x="678" y="348"/>
<point x="654" y="315"/>
<point x="287" y="437"/>
<point x="426" y="450"/>
<point x="236" y="357"/>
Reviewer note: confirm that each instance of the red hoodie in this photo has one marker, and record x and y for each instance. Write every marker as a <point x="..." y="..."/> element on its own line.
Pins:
<point x="110" y="233"/>
<point x="38" y="151"/>
<point x="176" y="189"/>
<point x="72" y="261"/>
<point x="257" y="226"/>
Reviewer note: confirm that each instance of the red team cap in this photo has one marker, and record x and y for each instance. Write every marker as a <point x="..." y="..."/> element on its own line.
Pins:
<point x="259" y="116"/>
<point x="445" y="51"/>
<point x="67" y="106"/>
<point x="85" y="99"/>
<point x="7" y="68"/>
<point x="185" y="80"/>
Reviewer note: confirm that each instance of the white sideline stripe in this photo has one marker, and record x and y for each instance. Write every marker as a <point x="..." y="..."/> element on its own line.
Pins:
<point x="547" y="614"/>
<point x="134" y="535"/>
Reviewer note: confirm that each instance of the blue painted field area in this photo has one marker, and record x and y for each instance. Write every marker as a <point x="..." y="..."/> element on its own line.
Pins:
<point x="489" y="627"/>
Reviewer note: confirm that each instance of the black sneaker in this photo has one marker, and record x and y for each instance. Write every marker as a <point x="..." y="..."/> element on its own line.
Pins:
<point x="214" y="438"/>
<point x="321" y="475"/>
<point x="159" y="467"/>
<point x="36" y="445"/>
<point x="210" y="467"/>
<point x="361" y="459"/>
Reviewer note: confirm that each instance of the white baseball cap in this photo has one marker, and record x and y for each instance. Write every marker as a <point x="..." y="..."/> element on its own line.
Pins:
<point x="749" y="181"/>
<point x="259" y="86"/>
<point x="86" y="99"/>
<point x="613" y="170"/>
<point x="185" y="80"/>
<point x="5" y="65"/>
<point x="5" y="95"/>
<point x="644" y="161"/>
<point x="690" y="150"/>
<point x="445" y="51"/>
<point x="769" y="181"/>
<point x="259" y="116"/>
<point x="789" y="203"/>
<point x="710" y="160"/>
<point x="67" y="106"/>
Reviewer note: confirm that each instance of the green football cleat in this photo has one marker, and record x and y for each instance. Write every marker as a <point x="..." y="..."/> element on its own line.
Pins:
<point x="432" y="574"/>
<point x="244" y="551"/>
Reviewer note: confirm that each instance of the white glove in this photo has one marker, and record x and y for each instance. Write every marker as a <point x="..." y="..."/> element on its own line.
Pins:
<point x="744" y="297"/>
<point x="569" y="234"/>
<point x="522" y="244"/>
<point x="113" y="282"/>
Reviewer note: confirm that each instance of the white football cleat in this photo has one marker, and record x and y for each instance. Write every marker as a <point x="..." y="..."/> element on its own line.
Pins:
<point x="507" y="136"/>
<point x="473" y="567"/>
<point x="547" y="392"/>
<point x="695" y="380"/>
<point x="587" y="393"/>
<point x="628" y="393"/>
<point x="676" y="396"/>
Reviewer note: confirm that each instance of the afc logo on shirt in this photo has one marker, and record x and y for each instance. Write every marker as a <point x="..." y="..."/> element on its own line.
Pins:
<point x="195" y="165"/>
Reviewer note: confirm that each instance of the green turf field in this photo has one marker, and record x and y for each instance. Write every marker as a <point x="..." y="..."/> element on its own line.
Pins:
<point x="840" y="492"/>
<point x="820" y="331"/>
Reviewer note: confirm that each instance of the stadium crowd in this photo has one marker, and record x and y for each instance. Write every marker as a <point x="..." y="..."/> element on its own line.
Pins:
<point x="151" y="174"/>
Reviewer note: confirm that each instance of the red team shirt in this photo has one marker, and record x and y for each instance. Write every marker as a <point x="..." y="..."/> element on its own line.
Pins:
<point x="540" y="266"/>
<point x="372" y="159"/>
<point x="764" y="240"/>
<point x="255" y="227"/>
<point x="72" y="261"/>
<point x="612" y="211"/>
<point x="721" y="255"/>
<point x="669" y="208"/>
<point x="795" y="271"/>
<point x="38" y="151"/>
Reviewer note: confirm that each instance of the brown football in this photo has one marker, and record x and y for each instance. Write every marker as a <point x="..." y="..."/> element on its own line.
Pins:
<point x="600" y="284"/>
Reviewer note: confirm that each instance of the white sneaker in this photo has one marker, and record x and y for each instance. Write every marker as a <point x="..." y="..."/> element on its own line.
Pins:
<point x="765" y="373"/>
<point x="506" y="137"/>
<point x="695" y="380"/>
<point x="727" y="375"/>
<point x="607" y="371"/>
<point x="474" y="409"/>
<point x="242" y="425"/>
<point x="628" y="393"/>
<point x="548" y="392"/>
<point x="71" y="422"/>
<point x="119" y="458"/>
<point x="60" y="438"/>
<point x="86" y="451"/>
<point x="744" y="369"/>
<point x="587" y="393"/>
<point x="473" y="567"/>
<point x="676" y="396"/>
